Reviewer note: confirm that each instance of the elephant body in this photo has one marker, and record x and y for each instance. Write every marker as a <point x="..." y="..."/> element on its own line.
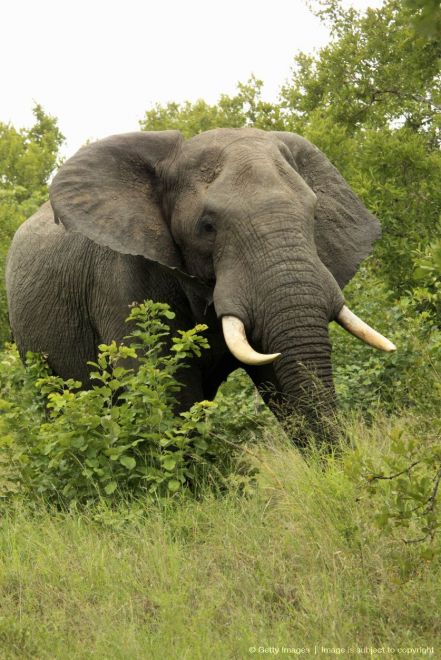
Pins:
<point x="83" y="297"/>
<point x="232" y="223"/>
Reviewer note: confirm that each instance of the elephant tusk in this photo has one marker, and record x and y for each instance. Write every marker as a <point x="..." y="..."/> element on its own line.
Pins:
<point x="350" y="322"/>
<point x="236" y="340"/>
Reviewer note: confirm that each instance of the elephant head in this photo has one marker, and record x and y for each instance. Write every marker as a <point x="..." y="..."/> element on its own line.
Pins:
<point x="261" y="218"/>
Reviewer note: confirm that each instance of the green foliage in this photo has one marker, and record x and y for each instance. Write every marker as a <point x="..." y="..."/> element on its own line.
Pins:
<point x="301" y="559"/>
<point x="373" y="73"/>
<point x="402" y="484"/>
<point x="21" y="411"/>
<point x="426" y="17"/>
<point x="371" y="100"/>
<point x="250" y="416"/>
<point x="427" y="274"/>
<point x="368" y="380"/>
<point x="397" y="178"/>
<point x="246" y="108"/>
<point x="124" y="436"/>
<point x="27" y="159"/>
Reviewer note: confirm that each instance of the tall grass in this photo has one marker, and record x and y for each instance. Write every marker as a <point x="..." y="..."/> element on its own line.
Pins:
<point x="297" y="563"/>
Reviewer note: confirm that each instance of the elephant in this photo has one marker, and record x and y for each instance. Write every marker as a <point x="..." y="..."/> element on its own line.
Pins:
<point x="253" y="232"/>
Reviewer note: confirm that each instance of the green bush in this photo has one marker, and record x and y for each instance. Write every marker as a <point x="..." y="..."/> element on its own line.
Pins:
<point x="123" y="437"/>
<point x="399" y="474"/>
<point x="427" y="274"/>
<point x="369" y="380"/>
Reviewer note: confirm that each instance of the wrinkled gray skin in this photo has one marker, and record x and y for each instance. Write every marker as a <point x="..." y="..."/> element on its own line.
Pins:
<point x="266" y="225"/>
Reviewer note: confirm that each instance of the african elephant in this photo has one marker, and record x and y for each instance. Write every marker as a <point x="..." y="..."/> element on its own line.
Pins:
<point x="254" y="233"/>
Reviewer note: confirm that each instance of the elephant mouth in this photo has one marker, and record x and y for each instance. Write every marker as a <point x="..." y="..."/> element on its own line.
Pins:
<point x="236" y="339"/>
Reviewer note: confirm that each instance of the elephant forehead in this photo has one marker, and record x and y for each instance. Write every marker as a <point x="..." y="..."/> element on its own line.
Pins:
<point x="217" y="145"/>
<point x="196" y="165"/>
<point x="224" y="136"/>
<point x="234" y="163"/>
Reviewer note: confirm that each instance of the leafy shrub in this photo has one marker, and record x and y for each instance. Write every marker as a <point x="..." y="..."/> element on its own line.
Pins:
<point x="124" y="435"/>
<point x="400" y="475"/>
<point x="124" y="438"/>
<point x="427" y="275"/>
<point x="369" y="380"/>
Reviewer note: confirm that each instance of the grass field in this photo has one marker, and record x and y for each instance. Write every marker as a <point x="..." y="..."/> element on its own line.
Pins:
<point x="297" y="563"/>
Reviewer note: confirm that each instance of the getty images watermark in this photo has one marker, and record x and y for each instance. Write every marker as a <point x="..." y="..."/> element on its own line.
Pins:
<point x="319" y="649"/>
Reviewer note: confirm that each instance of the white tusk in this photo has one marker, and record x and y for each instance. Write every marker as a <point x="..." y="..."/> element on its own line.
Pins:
<point x="350" y="322"/>
<point x="236" y="340"/>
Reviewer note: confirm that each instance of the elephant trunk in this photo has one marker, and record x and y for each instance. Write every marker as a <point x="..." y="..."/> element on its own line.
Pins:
<point x="304" y="371"/>
<point x="287" y="311"/>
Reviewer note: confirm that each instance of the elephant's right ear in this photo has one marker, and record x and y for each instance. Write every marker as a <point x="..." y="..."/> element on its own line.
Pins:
<point x="344" y="229"/>
<point x="110" y="192"/>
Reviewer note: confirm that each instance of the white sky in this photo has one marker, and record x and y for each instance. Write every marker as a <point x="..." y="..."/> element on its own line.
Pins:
<point x="98" y="65"/>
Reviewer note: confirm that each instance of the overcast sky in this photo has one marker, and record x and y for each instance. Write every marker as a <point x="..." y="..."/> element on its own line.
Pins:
<point x="98" y="65"/>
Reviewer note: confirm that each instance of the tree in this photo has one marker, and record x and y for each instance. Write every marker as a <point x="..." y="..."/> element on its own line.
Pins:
<point x="375" y="72"/>
<point x="426" y="17"/>
<point x="246" y="108"/>
<point x="371" y="99"/>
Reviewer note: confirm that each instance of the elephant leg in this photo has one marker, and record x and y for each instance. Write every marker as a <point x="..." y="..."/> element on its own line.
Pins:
<point x="213" y="377"/>
<point x="192" y="391"/>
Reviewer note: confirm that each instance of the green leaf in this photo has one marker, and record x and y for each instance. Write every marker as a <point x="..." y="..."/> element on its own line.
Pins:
<point x="428" y="554"/>
<point x="128" y="461"/>
<point x="169" y="462"/>
<point x="173" y="485"/>
<point x="111" y="487"/>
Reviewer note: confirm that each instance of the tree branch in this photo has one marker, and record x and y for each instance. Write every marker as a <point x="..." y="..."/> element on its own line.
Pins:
<point x="393" y="476"/>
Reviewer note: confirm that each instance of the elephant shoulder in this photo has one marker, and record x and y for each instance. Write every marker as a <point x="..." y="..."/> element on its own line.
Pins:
<point x="41" y="246"/>
<point x="41" y="224"/>
<point x="42" y="234"/>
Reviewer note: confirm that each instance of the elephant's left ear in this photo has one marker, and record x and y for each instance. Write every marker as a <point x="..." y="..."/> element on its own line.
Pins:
<point x="110" y="191"/>
<point x="344" y="229"/>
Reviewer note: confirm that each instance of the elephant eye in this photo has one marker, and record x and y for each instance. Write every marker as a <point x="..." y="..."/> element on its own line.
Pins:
<point x="206" y="227"/>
